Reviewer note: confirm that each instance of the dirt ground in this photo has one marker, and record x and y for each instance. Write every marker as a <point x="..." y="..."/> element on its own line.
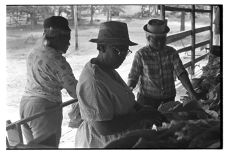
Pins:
<point x="20" y="42"/>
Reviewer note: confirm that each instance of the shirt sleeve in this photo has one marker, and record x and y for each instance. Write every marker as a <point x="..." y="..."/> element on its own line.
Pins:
<point x="136" y="69"/>
<point x="94" y="101"/>
<point x="178" y="65"/>
<point x="66" y="77"/>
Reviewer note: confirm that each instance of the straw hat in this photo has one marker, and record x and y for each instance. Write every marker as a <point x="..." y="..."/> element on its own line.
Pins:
<point x="156" y="27"/>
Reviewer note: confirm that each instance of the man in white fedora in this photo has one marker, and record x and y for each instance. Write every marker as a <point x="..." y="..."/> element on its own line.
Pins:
<point x="155" y="65"/>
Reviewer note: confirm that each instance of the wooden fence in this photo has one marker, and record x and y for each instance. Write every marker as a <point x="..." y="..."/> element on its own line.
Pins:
<point x="181" y="35"/>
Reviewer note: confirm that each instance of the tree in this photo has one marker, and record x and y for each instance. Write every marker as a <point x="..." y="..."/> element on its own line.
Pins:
<point x="108" y="8"/>
<point x="111" y="11"/>
<point x="76" y="26"/>
<point x="92" y="14"/>
<point x="32" y="13"/>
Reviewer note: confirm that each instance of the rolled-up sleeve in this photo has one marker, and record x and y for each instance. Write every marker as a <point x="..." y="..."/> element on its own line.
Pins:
<point x="178" y="65"/>
<point x="136" y="69"/>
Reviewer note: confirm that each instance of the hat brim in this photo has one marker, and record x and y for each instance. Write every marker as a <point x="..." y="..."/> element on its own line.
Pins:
<point x="113" y="42"/>
<point x="156" y="34"/>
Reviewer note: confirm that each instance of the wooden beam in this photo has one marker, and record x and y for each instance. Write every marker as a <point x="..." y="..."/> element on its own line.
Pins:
<point x="184" y="49"/>
<point x="188" y="64"/>
<point x="20" y="122"/>
<point x="169" y="8"/>
<point x="178" y="36"/>
<point x="193" y="39"/>
<point x="188" y="48"/>
<point x="202" y="43"/>
<point x="183" y="34"/>
<point x="211" y="29"/>
<point x="200" y="58"/>
<point x="202" y="29"/>
<point x="202" y="11"/>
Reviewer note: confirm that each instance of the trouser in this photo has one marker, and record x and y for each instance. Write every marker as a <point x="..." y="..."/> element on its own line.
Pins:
<point x="151" y="101"/>
<point x="47" y="128"/>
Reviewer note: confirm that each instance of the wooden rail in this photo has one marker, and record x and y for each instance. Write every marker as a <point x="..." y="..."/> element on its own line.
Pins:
<point x="14" y="131"/>
<point x="181" y="35"/>
<point x="20" y="122"/>
<point x="169" y="8"/>
<point x="188" y="64"/>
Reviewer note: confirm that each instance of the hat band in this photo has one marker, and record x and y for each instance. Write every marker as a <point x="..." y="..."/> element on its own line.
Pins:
<point x="156" y="29"/>
<point x="155" y="34"/>
<point x="113" y="39"/>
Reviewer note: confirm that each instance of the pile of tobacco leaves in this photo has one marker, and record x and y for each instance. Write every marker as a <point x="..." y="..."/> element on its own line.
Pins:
<point x="190" y="124"/>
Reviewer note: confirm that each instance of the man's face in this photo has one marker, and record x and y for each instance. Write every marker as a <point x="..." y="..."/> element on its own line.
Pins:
<point x="114" y="55"/>
<point x="157" y="42"/>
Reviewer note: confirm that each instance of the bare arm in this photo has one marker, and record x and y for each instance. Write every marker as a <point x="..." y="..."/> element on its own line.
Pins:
<point x="135" y="71"/>
<point x="183" y="77"/>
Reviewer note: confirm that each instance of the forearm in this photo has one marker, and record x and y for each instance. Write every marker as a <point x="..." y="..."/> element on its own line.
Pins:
<point x="118" y="124"/>
<point x="70" y="83"/>
<point x="186" y="83"/>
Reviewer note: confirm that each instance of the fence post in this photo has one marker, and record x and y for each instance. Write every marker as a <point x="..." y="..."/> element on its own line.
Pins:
<point x="193" y="40"/>
<point x="182" y="21"/>
<point x="211" y="29"/>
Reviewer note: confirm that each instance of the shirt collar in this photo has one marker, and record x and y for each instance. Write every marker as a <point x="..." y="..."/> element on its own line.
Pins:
<point x="157" y="51"/>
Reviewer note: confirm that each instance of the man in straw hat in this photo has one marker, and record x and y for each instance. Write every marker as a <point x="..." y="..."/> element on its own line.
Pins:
<point x="154" y="66"/>
<point x="107" y="105"/>
<point x="48" y="73"/>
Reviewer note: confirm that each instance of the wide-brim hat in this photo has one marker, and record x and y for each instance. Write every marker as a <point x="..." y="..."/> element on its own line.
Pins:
<point x="156" y="27"/>
<point x="113" y="32"/>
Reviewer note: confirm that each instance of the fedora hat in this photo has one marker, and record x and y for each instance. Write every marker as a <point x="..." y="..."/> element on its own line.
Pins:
<point x="156" y="27"/>
<point x="113" y="32"/>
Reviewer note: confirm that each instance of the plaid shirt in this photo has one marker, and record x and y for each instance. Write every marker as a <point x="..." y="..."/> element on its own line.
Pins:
<point x="156" y="69"/>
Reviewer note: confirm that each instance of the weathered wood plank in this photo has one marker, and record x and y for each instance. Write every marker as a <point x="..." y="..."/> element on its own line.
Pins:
<point x="169" y="8"/>
<point x="20" y="122"/>
<point x="178" y="36"/>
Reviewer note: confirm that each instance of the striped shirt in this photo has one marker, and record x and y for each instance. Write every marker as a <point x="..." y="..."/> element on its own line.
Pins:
<point x="155" y="71"/>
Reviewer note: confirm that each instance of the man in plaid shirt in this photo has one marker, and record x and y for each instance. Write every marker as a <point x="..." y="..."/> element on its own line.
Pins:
<point x="154" y="65"/>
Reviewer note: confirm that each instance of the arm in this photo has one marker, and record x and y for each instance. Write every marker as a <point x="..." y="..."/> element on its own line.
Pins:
<point x="117" y="124"/>
<point x="124" y="122"/>
<point x="183" y="77"/>
<point x="135" y="71"/>
<point x="66" y="77"/>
